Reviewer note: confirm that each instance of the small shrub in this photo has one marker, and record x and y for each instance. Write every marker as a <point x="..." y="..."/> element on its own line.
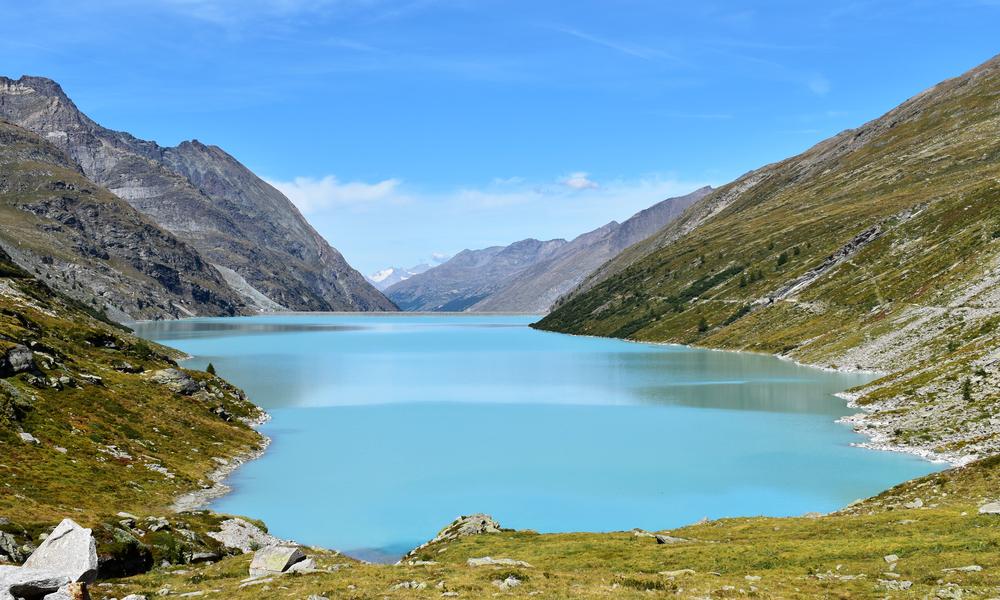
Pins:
<point x="210" y="369"/>
<point x="782" y="258"/>
<point x="967" y="390"/>
<point x="702" y="325"/>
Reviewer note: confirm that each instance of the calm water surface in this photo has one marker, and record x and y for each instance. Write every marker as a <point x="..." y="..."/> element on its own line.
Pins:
<point x="387" y="427"/>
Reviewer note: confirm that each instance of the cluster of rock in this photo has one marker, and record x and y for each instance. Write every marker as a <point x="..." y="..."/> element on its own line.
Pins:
<point x="463" y="526"/>
<point x="216" y="391"/>
<point x="59" y="569"/>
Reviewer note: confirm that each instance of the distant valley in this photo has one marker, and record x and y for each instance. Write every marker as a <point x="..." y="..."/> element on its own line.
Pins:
<point x="530" y="275"/>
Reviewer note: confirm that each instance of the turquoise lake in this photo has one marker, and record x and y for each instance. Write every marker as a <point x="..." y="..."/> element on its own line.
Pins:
<point x="386" y="427"/>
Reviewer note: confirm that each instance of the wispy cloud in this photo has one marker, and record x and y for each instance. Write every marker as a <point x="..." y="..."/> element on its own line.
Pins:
<point x="312" y="195"/>
<point x="580" y="181"/>
<point x="329" y="194"/>
<point x="633" y="50"/>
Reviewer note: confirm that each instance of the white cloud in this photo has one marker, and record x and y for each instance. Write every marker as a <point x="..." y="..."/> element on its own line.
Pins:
<point x="312" y="195"/>
<point x="580" y="181"/>
<point x="440" y="257"/>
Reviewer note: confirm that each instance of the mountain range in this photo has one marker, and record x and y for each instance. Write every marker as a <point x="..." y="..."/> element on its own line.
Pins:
<point x="261" y="247"/>
<point x="529" y="276"/>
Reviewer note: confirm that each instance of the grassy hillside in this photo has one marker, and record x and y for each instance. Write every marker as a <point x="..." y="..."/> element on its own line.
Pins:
<point x="87" y="429"/>
<point x="877" y="249"/>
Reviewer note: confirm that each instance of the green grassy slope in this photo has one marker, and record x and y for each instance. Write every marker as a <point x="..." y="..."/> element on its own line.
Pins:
<point x="899" y="223"/>
<point x="109" y="438"/>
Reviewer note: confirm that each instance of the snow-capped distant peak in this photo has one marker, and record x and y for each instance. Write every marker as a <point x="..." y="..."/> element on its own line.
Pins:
<point x="382" y="275"/>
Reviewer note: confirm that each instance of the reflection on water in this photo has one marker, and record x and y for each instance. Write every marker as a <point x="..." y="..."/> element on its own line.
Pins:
<point x="387" y="427"/>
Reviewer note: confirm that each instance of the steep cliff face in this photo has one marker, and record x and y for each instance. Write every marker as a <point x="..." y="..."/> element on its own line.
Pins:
<point x="469" y="276"/>
<point x="206" y="198"/>
<point x="91" y="245"/>
<point x="537" y="288"/>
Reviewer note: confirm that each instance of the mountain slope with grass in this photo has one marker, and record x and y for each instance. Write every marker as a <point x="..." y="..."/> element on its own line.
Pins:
<point x="262" y="244"/>
<point x="91" y="245"/>
<point x="876" y="249"/>
<point x="92" y="417"/>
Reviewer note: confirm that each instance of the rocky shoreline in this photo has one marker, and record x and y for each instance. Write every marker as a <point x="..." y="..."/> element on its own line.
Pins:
<point x="879" y="431"/>
<point x="199" y="499"/>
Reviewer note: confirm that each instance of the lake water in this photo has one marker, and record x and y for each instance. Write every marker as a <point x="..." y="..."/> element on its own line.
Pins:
<point x="387" y="427"/>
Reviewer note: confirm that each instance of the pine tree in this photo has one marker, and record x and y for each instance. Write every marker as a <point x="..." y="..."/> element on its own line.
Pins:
<point x="210" y="369"/>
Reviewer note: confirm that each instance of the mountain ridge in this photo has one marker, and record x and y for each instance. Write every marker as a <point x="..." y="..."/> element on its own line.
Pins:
<point x="204" y="196"/>
<point x="530" y="285"/>
<point x="93" y="246"/>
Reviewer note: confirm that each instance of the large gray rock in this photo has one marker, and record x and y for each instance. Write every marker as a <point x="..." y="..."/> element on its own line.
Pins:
<point x="18" y="359"/>
<point x="176" y="380"/>
<point x="20" y="582"/>
<point x="275" y="559"/>
<point x="990" y="508"/>
<point x="488" y="561"/>
<point x="70" y="551"/>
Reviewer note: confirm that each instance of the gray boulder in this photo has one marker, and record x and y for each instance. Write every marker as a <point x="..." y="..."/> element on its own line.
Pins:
<point x="70" y="551"/>
<point x="668" y="539"/>
<point x="487" y="561"/>
<point x="990" y="508"/>
<point x="275" y="559"/>
<point x="20" y="582"/>
<point x="176" y="380"/>
<point x="18" y="359"/>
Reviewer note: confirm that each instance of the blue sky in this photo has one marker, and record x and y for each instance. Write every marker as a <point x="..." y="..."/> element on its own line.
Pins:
<point x="420" y="127"/>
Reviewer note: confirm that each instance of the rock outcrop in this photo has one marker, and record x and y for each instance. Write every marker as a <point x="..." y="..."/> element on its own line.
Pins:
<point x="58" y="569"/>
<point x="16" y="359"/>
<point x="464" y="526"/>
<point x="242" y="535"/>
<point x="203" y="196"/>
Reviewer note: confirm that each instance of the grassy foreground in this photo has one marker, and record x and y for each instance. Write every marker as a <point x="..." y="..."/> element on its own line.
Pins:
<point x="836" y="556"/>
